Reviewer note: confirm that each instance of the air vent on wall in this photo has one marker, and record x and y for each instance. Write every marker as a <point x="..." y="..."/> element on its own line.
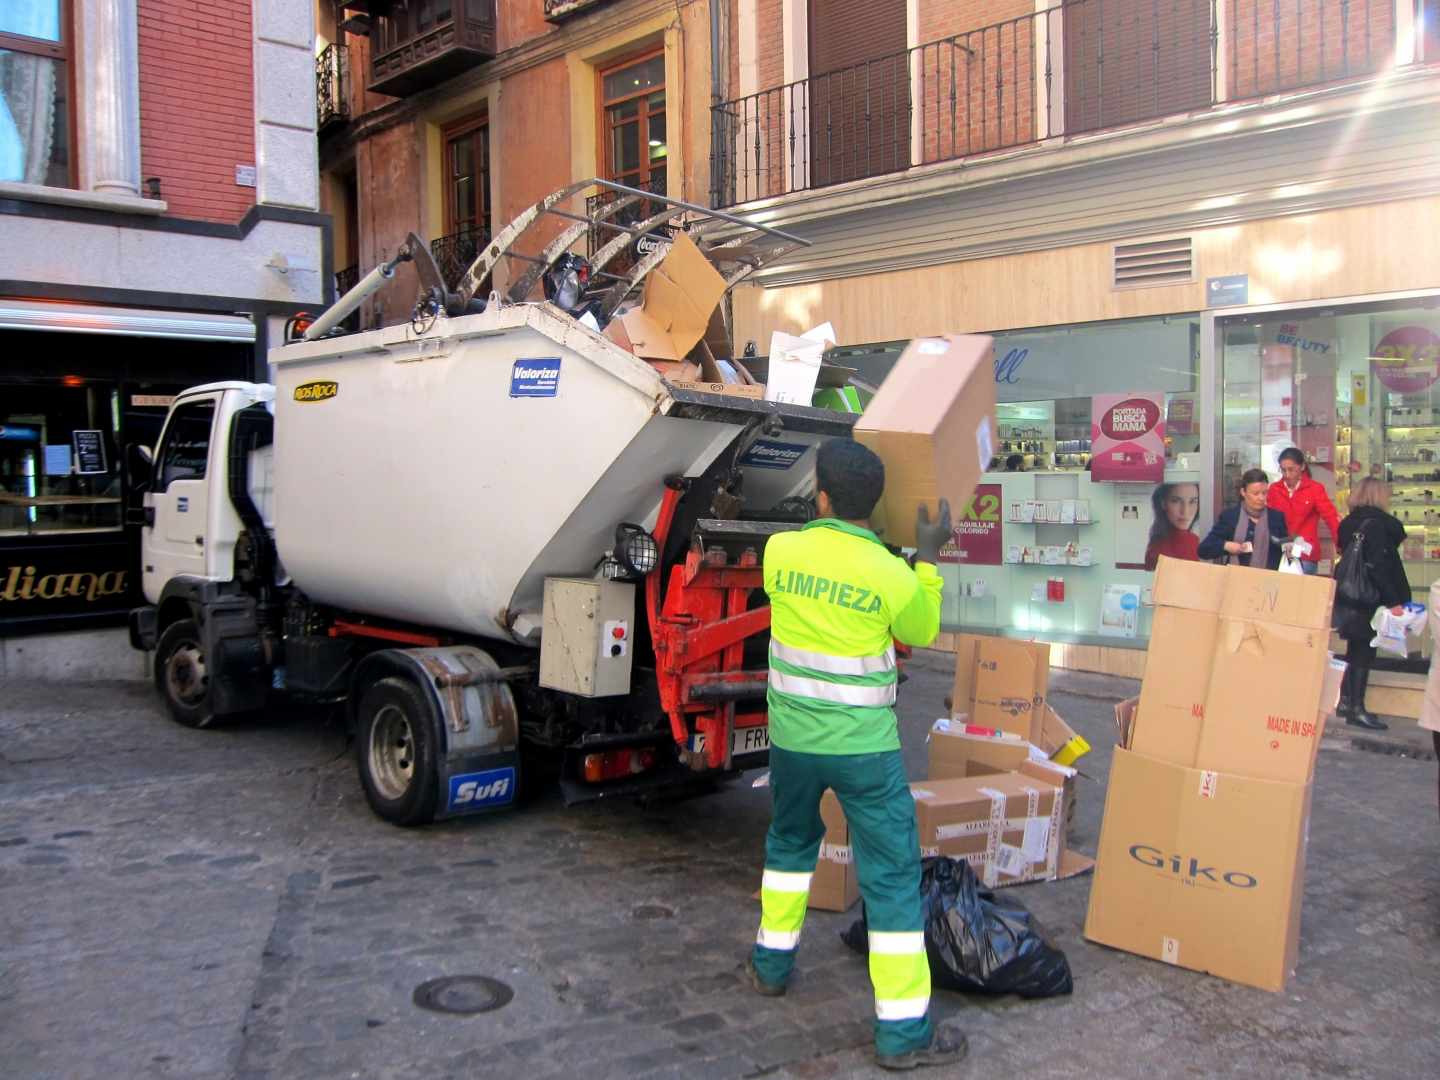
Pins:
<point x="1145" y="263"/>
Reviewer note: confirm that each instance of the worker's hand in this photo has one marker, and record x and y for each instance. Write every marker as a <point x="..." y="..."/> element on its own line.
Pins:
<point x="1398" y="609"/>
<point x="929" y="538"/>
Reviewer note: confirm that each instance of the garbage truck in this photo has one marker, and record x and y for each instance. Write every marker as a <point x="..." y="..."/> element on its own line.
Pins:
<point x="505" y="544"/>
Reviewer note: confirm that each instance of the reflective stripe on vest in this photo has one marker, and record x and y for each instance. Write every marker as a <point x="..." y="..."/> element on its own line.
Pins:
<point x="834" y="665"/>
<point x="837" y="693"/>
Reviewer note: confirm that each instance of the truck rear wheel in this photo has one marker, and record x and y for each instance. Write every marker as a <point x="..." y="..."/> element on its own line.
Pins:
<point x="181" y="675"/>
<point x="396" y="752"/>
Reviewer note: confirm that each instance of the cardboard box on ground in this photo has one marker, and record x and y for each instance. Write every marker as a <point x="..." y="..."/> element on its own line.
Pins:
<point x="1201" y="860"/>
<point x="998" y="800"/>
<point x="933" y="424"/>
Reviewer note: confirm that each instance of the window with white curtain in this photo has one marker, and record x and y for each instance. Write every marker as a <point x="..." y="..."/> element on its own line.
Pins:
<point x="35" y="92"/>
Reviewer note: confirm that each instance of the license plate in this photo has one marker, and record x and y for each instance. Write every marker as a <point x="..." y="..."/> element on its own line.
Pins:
<point x="749" y="740"/>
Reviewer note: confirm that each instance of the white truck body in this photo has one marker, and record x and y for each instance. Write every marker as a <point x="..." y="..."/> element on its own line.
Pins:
<point x="425" y="490"/>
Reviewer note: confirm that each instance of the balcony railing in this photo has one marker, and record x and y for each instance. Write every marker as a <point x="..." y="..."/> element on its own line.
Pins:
<point x="1073" y="68"/>
<point x="332" y="86"/>
<point x="454" y="253"/>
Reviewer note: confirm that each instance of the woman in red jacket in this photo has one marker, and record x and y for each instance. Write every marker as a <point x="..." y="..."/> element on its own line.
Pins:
<point x="1305" y="503"/>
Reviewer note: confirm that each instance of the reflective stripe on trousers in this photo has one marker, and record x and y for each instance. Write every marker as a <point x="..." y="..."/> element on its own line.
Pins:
<point x="900" y="973"/>
<point x="783" y="896"/>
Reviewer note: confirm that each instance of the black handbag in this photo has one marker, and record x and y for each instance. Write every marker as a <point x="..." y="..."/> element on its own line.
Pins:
<point x="1354" y="585"/>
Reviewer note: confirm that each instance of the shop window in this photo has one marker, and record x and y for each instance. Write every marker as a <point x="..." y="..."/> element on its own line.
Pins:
<point x="187" y="444"/>
<point x="1354" y="387"/>
<point x="59" y="467"/>
<point x="35" y="93"/>
<point x="632" y="107"/>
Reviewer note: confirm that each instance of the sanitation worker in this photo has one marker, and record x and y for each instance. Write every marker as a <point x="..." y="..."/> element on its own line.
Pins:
<point x="839" y="600"/>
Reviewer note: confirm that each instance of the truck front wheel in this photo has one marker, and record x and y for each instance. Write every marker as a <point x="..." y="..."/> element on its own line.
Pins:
<point x="396" y="752"/>
<point x="181" y="675"/>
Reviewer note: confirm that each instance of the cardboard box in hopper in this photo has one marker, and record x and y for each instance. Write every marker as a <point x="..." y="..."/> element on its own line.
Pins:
<point x="834" y="886"/>
<point x="1201" y="869"/>
<point x="933" y="424"/>
<point x="679" y="296"/>
<point x="1002" y="683"/>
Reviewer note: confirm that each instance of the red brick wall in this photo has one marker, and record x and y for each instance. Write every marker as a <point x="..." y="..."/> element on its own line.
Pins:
<point x="197" y="109"/>
<point x="1322" y="42"/>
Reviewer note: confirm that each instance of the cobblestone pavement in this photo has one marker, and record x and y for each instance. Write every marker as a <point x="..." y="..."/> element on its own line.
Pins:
<point x="192" y="904"/>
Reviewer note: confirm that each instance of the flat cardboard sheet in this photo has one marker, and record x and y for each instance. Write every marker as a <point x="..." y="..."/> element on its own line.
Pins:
<point x="1201" y="869"/>
<point x="680" y="295"/>
<point x="933" y="424"/>
<point x="1002" y="683"/>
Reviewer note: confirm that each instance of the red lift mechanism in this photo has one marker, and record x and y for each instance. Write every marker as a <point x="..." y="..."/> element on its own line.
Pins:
<point x="699" y="637"/>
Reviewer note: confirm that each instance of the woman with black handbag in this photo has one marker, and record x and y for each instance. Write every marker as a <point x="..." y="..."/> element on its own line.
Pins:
<point x="1368" y="575"/>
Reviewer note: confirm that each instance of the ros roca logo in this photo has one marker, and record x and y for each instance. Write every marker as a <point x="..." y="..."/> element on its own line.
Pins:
<point x="1189" y="869"/>
<point x="320" y="390"/>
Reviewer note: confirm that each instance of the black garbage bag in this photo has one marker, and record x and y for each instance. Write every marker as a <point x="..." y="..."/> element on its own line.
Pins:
<point x="976" y="942"/>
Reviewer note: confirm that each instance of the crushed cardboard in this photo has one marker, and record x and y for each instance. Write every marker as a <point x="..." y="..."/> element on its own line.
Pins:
<point x="680" y="296"/>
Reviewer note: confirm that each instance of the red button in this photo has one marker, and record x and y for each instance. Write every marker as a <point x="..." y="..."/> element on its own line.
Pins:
<point x="618" y="632"/>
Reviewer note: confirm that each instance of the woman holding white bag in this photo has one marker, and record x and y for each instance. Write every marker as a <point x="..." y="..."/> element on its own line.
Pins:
<point x="1371" y="535"/>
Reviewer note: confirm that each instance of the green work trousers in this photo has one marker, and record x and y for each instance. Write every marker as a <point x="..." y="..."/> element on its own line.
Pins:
<point x="880" y="813"/>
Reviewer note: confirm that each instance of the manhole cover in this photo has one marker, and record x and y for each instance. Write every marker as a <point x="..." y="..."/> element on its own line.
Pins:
<point x="652" y="911"/>
<point x="463" y="995"/>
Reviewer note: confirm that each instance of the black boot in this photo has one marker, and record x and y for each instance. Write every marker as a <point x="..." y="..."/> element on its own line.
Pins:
<point x="1358" y="717"/>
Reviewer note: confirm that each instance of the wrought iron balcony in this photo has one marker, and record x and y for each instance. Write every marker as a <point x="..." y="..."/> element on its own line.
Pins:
<point x="1077" y="67"/>
<point x="422" y="43"/>
<point x="332" y="86"/>
<point x="454" y="253"/>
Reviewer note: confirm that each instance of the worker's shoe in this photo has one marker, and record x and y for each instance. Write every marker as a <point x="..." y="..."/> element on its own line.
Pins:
<point x="946" y="1048"/>
<point x="762" y="988"/>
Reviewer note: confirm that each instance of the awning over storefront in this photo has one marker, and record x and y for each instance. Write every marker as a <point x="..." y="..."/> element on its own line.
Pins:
<point x="132" y="322"/>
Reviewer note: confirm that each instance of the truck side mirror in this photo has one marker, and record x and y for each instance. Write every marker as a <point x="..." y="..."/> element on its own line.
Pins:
<point x="139" y="467"/>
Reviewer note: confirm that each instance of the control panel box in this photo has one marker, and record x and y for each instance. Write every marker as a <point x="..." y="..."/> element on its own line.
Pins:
<point x="585" y="647"/>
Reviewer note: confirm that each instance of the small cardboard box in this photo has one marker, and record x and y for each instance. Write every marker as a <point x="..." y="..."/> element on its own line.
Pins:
<point x="1201" y="869"/>
<point x="956" y="755"/>
<point x="933" y="424"/>
<point x="1015" y="671"/>
<point x="1007" y="826"/>
<point x="680" y="295"/>
<point x="834" y="886"/>
<point x="710" y="379"/>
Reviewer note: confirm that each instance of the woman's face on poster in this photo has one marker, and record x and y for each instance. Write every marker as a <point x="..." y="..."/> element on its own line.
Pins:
<point x="1182" y="505"/>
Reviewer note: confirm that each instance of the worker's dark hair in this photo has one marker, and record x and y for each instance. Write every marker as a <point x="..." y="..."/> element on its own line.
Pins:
<point x="852" y="475"/>
<point x="1252" y="476"/>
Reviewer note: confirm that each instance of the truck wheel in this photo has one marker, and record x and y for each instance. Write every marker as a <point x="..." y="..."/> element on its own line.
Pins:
<point x="396" y="752"/>
<point x="180" y="674"/>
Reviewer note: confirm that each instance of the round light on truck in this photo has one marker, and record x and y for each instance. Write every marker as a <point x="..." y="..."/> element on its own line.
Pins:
<point x="636" y="549"/>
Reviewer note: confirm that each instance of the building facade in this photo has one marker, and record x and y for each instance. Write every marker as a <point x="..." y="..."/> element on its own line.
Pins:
<point x="159" y="224"/>
<point x="450" y="117"/>
<point x="1220" y="207"/>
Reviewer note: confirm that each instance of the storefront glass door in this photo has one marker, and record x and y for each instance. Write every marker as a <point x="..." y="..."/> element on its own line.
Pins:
<point x="1355" y="387"/>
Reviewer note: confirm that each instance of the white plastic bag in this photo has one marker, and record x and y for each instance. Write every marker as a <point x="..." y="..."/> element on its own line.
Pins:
<point x="1291" y="555"/>
<point x="1391" y="629"/>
